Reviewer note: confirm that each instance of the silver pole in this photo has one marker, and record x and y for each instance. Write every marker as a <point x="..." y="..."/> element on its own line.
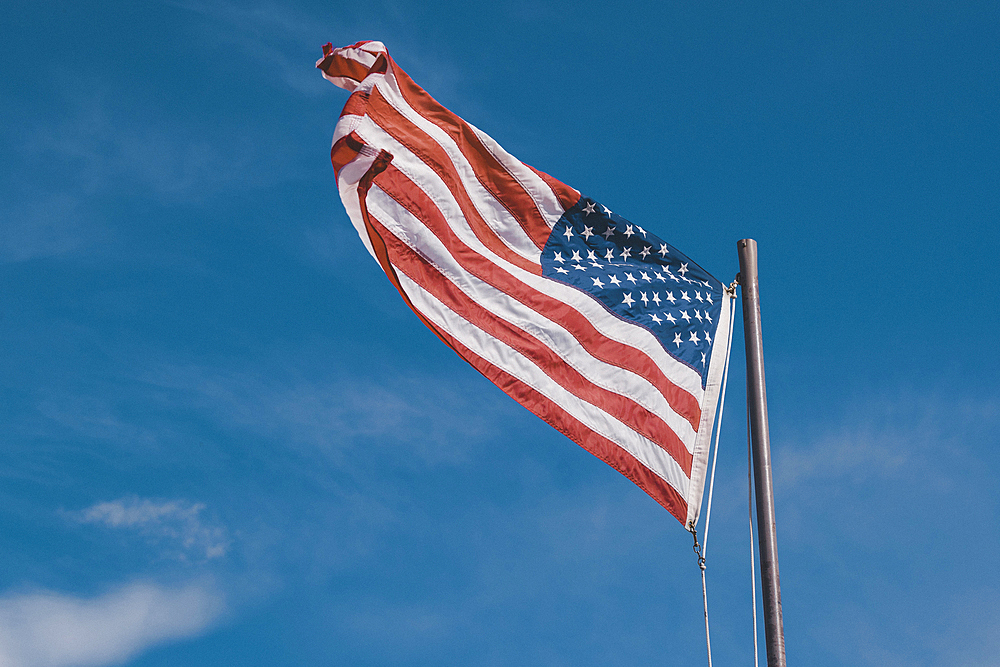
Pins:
<point x="767" y="537"/>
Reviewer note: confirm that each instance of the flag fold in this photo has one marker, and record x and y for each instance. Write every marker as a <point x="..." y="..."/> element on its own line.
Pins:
<point x="592" y="322"/>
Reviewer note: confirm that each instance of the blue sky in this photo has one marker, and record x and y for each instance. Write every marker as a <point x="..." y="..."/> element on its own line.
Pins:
<point x="226" y="440"/>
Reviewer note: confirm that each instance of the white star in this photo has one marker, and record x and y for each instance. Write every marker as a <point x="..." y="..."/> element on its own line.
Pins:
<point x="609" y="232"/>
<point x="576" y="256"/>
<point x="708" y="317"/>
<point x="559" y="258"/>
<point x="697" y="314"/>
<point x="656" y="298"/>
<point x="705" y="283"/>
<point x="568" y="233"/>
<point x="663" y="250"/>
<point x="645" y="276"/>
<point x="670" y="297"/>
<point x="597" y="282"/>
<point x="628" y="231"/>
<point x="683" y="269"/>
<point x="685" y="316"/>
<point x="596" y="265"/>
<point x="656" y="319"/>
<point x="579" y="268"/>
<point x="614" y="281"/>
<point x="629" y="276"/>
<point x="677" y="339"/>
<point x="641" y="231"/>
<point x="708" y="339"/>
<point x="660" y="277"/>
<point x="702" y="358"/>
<point x="626" y="253"/>
<point x="670" y="318"/>
<point x="607" y="211"/>
<point x="670" y="275"/>
<point x="589" y="208"/>
<point x="645" y="252"/>
<point x="644" y="298"/>
<point x="708" y="297"/>
<point x="628" y="300"/>
<point x="591" y="256"/>
<point x="587" y="232"/>
<point x="694" y="338"/>
<point x="697" y="295"/>
<point x="560" y="269"/>
<point x="610" y="256"/>
<point x="684" y="295"/>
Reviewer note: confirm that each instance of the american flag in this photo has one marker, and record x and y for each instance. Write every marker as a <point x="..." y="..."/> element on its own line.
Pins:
<point x="593" y="323"/>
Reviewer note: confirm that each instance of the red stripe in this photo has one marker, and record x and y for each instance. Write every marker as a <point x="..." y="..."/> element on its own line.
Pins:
<point x="621" y="408"/>
<point x="343" y="151"/>
<point x="604" y="449"/>
<point x="566" y="195"/>
<point x="378" y="244"/>
<point x="338" y="65"/>
<point x="356" y="104"/>
<point x="403" y="190"/>
<point x="435" y="157"/>
<point x="490" y="172"/>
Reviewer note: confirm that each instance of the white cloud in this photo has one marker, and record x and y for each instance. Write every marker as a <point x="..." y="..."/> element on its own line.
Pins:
<point x="175" y="520"/>
<point x="48" y="629"/>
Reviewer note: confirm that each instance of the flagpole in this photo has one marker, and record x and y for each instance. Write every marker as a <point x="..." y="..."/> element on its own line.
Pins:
<point x="767" y="538"/>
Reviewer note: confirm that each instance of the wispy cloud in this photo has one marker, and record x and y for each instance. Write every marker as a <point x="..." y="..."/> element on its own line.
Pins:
<point x="48" y="629"/>
<point x="857" y="455"/>
<point x="900" y="438"/>
<point x="49" y="226"/>
<point x="268" y="35"/>
<point x="408" y="625"/>
<point x="440" y="421"/>
<point x="98" y="144"/>
<point x="95" y="417"/>
<point x="176" y="521"/>
<point x="283" y="42"/>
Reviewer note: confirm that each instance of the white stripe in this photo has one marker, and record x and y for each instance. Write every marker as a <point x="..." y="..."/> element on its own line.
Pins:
<point x="627" y="384"/>
<point x="345" y="126"/>
<point x="545" y="199"/>
<point x="345" y="82"/>
<point x="493" y="212"/>
<point x="513" y="362"/>
<point x="366" y="54"/>
<point x="608" y="325"/>
<point x="347" y="183"/>
<point x="349" y="121"/>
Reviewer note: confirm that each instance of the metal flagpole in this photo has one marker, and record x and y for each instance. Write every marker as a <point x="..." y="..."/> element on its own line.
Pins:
<point x="767" y="538"/>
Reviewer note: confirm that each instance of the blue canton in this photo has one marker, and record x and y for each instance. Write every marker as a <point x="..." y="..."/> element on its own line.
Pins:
<point x="639" y="278"/>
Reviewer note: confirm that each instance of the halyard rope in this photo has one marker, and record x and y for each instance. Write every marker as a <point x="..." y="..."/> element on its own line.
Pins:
<point x="731" y="291"/>
<point x="701" y="549"/>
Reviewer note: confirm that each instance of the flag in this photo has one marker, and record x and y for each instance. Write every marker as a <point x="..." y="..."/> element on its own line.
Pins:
<point x="592" y="322"/>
